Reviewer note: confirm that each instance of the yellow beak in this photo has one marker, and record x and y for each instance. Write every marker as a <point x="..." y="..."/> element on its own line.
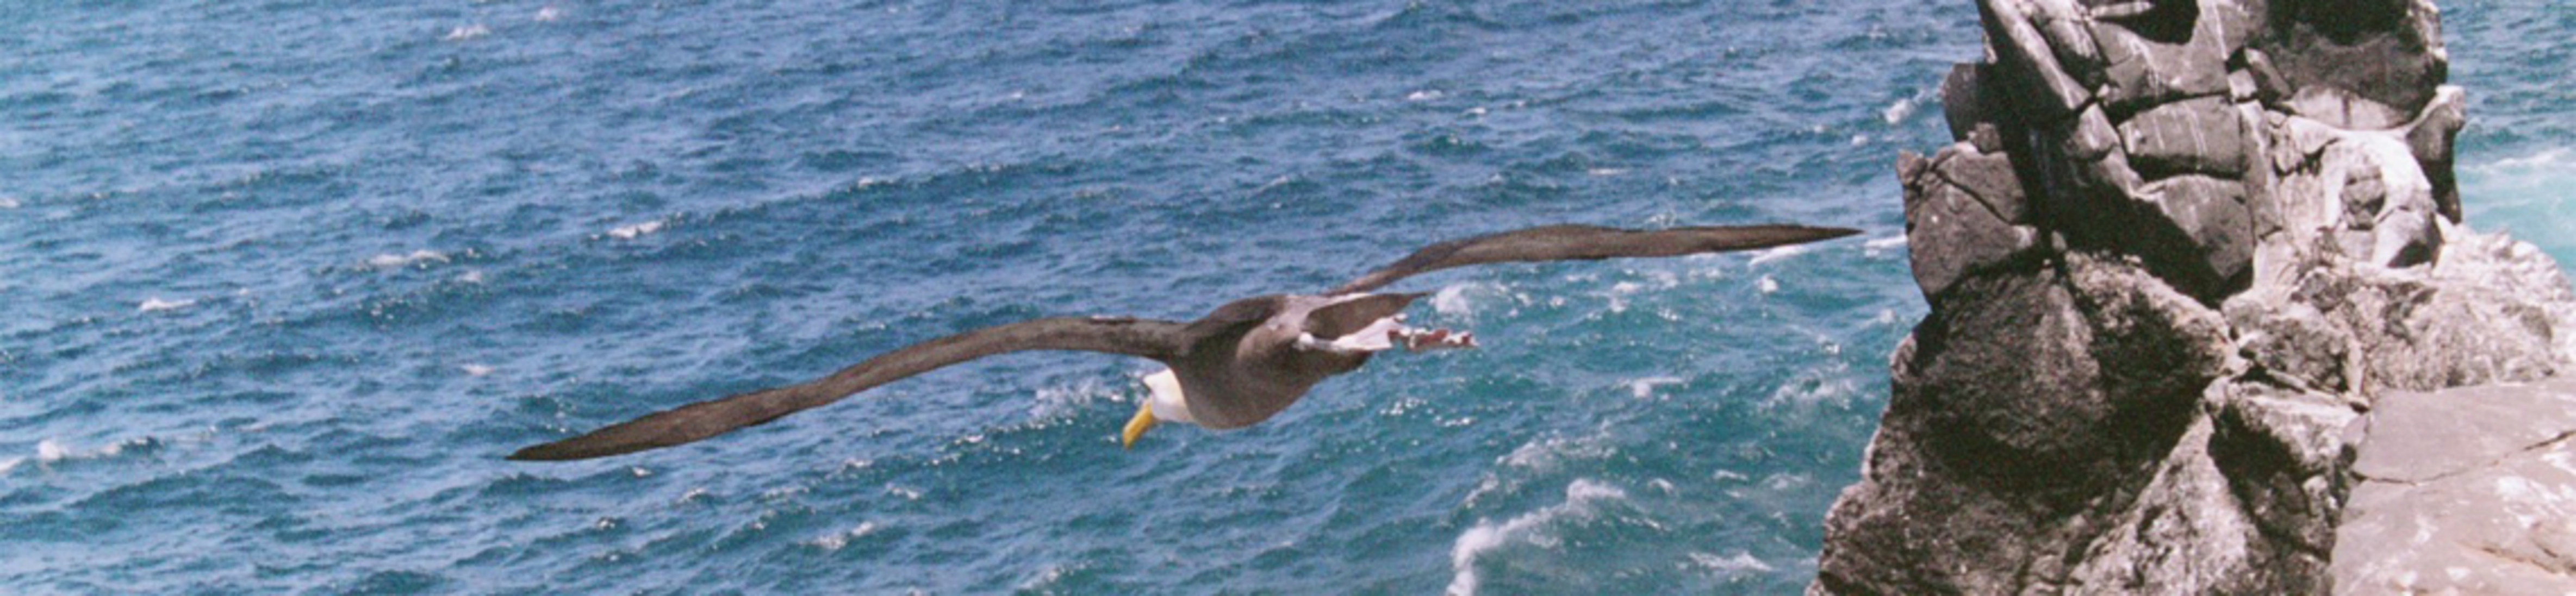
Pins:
<point x="1136" y="427"/>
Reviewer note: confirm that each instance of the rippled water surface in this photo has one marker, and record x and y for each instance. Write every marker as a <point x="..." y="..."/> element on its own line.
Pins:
<point x="283" y="280"/>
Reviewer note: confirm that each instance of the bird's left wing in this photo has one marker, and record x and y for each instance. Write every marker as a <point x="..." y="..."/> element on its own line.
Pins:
<point x="1160" y="340"/>
<point x="1581" y="242"/>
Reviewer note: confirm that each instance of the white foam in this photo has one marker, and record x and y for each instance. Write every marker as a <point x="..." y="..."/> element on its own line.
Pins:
<point x="474" y="276"/>
<point x="158" y="305"/>
<point x="1063" y="401"/>
<point x="1605" y="172"/>
<point x="8" y="203"/>
<point x="1645" y="388"/>
<point x="1777" y="253"/>
<point x="1736" y="564"/>
<point x="629" y="232"/>
<point x="1424" y="95"/>
<point x="836" y="540"/>
<point x="1876" y="247"/>
<point x="10" y="464"/>
<point x="1452" y="300"/>
<point x="467" y="32"/>
<point x="2554" y="158"/>
<point x="50" y="451"/>
<point x="475" y="370"/>
<point x="391" y="261"/>
<point x="1486" y="536"/>
<point x="1767" y="285"/>
<point x="1897" y="112"/>
<point x="549" y="14"/>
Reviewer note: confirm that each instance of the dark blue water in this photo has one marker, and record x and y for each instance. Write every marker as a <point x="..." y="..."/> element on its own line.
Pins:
<point x="284" y="280"/>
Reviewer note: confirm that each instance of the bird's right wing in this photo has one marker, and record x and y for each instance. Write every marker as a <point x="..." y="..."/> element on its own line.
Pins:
<point x="1160" y="340"/>
<point x="1581" y="242"/>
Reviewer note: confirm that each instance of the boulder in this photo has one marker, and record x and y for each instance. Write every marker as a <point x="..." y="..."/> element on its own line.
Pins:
<point x="2464" y="491"/>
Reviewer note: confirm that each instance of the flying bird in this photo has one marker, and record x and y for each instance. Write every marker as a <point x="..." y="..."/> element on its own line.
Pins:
<point x="1235" y="367"/>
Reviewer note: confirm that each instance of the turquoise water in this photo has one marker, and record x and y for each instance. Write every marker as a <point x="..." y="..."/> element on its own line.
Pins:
<point x="285" y="280"/>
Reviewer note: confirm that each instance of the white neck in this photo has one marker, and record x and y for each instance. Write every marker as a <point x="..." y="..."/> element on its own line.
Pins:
<point x="1166" y="401"/>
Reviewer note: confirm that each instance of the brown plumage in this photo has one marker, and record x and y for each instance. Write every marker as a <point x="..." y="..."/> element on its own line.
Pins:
<point x="1237" y="366"/>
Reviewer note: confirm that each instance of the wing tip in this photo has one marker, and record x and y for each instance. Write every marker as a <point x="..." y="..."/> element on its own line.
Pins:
<point x="546" y="452"/>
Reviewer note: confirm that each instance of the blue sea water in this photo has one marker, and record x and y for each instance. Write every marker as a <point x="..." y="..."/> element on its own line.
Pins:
<point x="283" y="280"/>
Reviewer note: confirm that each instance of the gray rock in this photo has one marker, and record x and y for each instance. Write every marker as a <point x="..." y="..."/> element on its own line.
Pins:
<point x="2019" y="405"/>
<point x="2430" y="138"/>
<point x="2178" y="50"/>
<point x="2464" y="491"/>
<point x="2198" y="233"/>
<point x="2364" y="65"/>
<point x="2031" y="70"/>
<point x="1969" y="204"/>
<point x="2246" y="249"/>
<point x="2198" y="136"/>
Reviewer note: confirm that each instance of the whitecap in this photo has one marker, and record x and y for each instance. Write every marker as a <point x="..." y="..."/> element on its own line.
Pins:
<point x="391" y="261"/>
<point x="1880" y="246"/>
<point x="836" y="540"/>
<point x="467" y="32"/>
<point x="1062" y="401"/>
<point x="2552" y="158"/>
<point x="158" y="305"/>
<point x="8" y="203"/>
<point x="472" y="277"/>
<point x="629" y="232"/>
<point x="1739" y="563"/>
<point x="1606" y="171"/>
<point x="1897" y="112"/>
<point x="1453" y="301"/>
<point x="1767" y="285"/>
<point x="475" y="370"/>
<point x="50" y="451"/>
<point x="1486" y="536"/>
<point x="10" y="464"/>
<point x="548" y="14"/>
<point x="1424" y="95"/>
<point x="1777" y="253"/>
<point x="1645" y="388"/>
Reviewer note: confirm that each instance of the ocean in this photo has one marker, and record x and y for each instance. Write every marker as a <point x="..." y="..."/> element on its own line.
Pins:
<point x="284" y="280"/>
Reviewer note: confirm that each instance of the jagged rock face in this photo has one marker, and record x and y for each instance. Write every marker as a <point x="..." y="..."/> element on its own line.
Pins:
<point x="2178" y="247"/>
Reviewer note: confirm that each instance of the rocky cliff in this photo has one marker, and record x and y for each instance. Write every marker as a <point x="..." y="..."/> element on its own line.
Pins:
<point x="2180" y="257"/>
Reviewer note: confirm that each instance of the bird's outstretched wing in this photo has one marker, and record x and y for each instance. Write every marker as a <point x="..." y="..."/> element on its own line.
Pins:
<point x="1160" y="340"/>
<point x="1581" y="242"/>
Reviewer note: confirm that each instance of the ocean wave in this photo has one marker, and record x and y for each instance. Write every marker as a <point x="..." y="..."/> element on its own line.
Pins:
<point x="158" y="305"/>
<point x="631" y="231"/>
<point x="1485" y="536"/>
<point x="1645" y="388"/>
<point x="1897" y="112"/>
<point x="396" y="261"/>
<point x="1775" y="254"/>
<point x="1727" y="566"/>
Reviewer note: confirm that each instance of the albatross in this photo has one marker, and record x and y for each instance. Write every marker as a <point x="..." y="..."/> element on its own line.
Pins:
<point x="1239" y="365"/>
